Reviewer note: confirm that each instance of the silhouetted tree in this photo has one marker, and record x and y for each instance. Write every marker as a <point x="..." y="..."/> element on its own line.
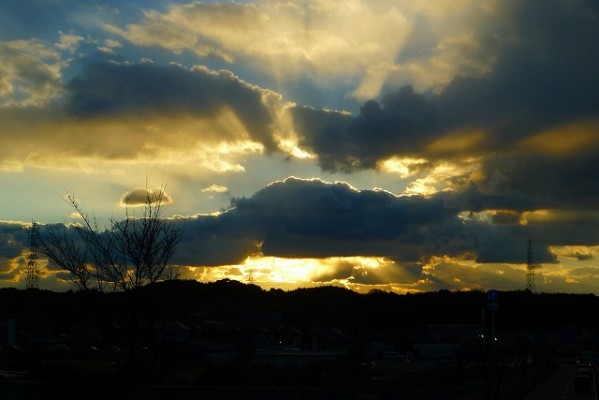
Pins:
<point x="129" y="254"/>
<point x="126" y="256"/>
<point x="68" y="253"/>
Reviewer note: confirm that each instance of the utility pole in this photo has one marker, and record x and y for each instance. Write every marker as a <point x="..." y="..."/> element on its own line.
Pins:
<point x="493" y="380"/>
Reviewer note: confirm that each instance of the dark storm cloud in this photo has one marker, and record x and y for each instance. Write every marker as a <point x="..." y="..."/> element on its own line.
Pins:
<point x="547" y="182"/>
<point x="501" y="244"/>
<point x="544" y="80"/>
<point x="106" y="89"/>
<point x="13" y="238"/>
<point x="401" y="124"/>
<point x="581" y="228"/>
<point x="338" y="211"/>
<point x="311" y="218"/>
<point x="212" y="241"/>
<point x="545" y="72"/>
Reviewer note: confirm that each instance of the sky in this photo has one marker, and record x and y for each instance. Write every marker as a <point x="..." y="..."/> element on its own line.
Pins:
<point x="397" y="145"/>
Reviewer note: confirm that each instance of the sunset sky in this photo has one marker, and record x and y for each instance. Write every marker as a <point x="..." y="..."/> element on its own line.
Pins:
<point x="405" y="145"/>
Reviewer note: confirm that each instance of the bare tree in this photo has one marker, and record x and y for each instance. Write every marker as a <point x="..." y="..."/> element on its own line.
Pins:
<point x="66" y="252"/>
<point x="130" y="253"/>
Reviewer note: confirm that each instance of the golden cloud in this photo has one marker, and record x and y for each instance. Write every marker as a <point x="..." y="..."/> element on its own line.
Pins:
<point x="143" y="196"/>
<point x="571" y="216"/>
<point x="404" y="167"/>
<point x="579" y="252"/>
<point x="445" y="175"/>
<point x="328" y="41"/>
<point x="458" y="143"/>
<point x="215" y="189"/>
<point x="38" y="139"/>
<point x="565" y="140"/>
<point x="30" y="73"/>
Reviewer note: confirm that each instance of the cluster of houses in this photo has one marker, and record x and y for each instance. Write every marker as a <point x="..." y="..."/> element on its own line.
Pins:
<point x="263" y="337"/>
<point x="260" y="336"/>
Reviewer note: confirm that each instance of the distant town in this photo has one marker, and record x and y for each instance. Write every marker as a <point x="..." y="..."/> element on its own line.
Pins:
<point x="226" y="339"/>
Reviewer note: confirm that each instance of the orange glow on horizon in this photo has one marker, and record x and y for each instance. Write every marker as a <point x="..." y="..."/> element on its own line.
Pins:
<point x="267" y="271"/>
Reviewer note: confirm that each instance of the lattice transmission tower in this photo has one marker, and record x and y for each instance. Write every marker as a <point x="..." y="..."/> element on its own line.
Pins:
<point x="530" y="270"/>
<point x="32" y="267"/>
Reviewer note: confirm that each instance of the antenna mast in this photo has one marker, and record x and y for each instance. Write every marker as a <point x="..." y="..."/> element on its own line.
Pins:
<point x="530" y="272"/>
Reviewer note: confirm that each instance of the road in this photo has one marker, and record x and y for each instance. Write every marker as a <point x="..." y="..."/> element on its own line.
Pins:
<point x="560" y="386"/>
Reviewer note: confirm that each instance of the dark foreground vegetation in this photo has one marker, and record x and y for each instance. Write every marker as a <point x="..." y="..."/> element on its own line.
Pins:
<point x="232" y="340"/>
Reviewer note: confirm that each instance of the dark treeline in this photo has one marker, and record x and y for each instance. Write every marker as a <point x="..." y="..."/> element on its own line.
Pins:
<point x="329" y="306"/>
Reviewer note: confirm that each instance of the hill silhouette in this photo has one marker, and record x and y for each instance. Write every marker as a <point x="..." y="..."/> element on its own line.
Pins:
<point x="327" y="305"/>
